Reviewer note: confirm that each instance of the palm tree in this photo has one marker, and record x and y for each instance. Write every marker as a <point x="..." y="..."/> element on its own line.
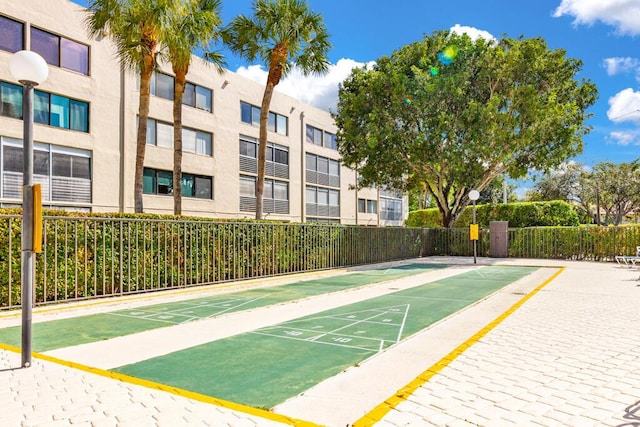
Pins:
<point x="281" y="33"/>
<point x="194" y="25"/>
<point x="136" y="28"/>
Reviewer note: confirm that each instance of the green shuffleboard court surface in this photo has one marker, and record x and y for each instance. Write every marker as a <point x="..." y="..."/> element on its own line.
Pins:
<point x="96" y="327"/>
<point x="267" y="366"/>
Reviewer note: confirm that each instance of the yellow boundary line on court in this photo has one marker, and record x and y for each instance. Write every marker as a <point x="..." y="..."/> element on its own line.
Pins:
<point x="377" y="413"/>
<point x="169" y="389"/>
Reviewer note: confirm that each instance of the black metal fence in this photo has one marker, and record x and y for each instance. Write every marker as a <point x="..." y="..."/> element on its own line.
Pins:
<point x="95" y="257"/>
<point x="98" y="257"/>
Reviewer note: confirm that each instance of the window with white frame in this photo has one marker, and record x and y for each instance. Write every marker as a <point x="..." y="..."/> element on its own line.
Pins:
<point x="321" y="137"/>
<point x="390" y="209"/>
<point x="64" y="173"/>
<point x="277" y="123"/>
<point x="322" y="202"/>
<point x="277" y="159"/>
<point x="162" y="85"/>
<point x="322" y="170"/>
<point x="193" y="141"/>
<point x="275" y="198"/>
<point x="367" y="206"/>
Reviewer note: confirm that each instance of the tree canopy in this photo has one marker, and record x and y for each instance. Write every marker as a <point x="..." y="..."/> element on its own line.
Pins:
<point x="454" y="113"/>
<point x="618" y="189"/>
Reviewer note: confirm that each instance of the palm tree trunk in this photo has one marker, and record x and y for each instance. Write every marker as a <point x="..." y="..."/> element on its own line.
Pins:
<point x="262" y="148"/>
<point x="141" y="142"/>
<point x="180" y="82"/>
<point x="279" y="56"/>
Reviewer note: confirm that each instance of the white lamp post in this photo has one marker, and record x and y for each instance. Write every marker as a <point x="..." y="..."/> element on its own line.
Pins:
<point x="473" y="196"/>
<point x="30" y="69"/>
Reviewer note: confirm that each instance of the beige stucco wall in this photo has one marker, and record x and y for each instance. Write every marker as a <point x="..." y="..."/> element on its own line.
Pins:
<point x="113" y="96"/>
<point x="100" y="89"/>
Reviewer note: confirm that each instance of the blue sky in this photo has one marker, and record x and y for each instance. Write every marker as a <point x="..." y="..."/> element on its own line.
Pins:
<point x="604" y="34"/>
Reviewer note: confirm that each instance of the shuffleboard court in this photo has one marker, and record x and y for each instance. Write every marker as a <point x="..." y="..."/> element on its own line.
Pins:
<point x="61" y="333"/>
<point x="267" y="366"/>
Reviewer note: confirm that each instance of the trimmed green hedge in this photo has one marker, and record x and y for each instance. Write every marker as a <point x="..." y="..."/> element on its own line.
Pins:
<point x="519" y="215"/>
<point x="92" y="255"/>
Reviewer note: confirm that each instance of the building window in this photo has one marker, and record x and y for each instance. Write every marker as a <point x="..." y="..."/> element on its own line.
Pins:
<point x="248" y="147"/>
<point x="277" y="161"/>
<point x="197" y="96"/>
<point x="161" y="182"/>
<point x="277" y="154"/>
<point x="60" y="111"/>
<point x="322" y="170"/>
<point x="11" y="34"/>
<point x="249" y="114"/>
<point x="10" y="100"/>
<point x="322" y="202"/>
<point x="60" y="51"/>
<point x="277" y="123"/>
<point x="48" y="108"/>
<point x="193" y="141"/>
<point x="200" y="187"/>
<point x="70" y="166"/>
<point x="63" y="173"/>
<point x="391" y="209"/>
<point x="367" y="206"/>
<point x="163" y="85"/>
<point x="322" y="138"/>
<point x="275" y="198"/>
<point x="247" y="186"/>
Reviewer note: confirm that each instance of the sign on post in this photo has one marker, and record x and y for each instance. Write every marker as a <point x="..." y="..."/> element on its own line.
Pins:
<point x="474" y="232"/>
<point x="36" y="193"/>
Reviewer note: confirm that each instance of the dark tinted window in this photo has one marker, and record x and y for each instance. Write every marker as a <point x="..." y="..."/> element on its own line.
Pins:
<point x="74" y="56"/>
<point x="11" y="35"/>
<point x="47" y="45"/>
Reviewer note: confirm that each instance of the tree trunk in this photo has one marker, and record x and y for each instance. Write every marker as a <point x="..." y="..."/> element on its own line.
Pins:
<point x="141" y="142"/>
<point x="262" y="148"/>
<point x="278" y="57"/>
<point x="180" y="81"/>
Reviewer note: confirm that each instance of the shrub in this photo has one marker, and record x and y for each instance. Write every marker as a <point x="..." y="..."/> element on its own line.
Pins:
<point x="519" y="215"/>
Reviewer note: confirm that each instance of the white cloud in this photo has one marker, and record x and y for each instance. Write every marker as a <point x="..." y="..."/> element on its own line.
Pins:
<point x="472" y="32"/>
<point x="253" y="72"/>
<point x="624" y="138"/>
<point x="623" y="15"/>
<point x="621" y="65"/>
<point x="319" y="91"/>
<point x="624" y="106"/>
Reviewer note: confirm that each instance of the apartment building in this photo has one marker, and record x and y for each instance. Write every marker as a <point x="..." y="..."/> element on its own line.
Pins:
<point x="85" y="117"/>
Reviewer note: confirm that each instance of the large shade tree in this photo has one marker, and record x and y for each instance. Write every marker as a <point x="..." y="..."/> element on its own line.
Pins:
<point x="281" y="34"/>
<point x="618" y="187"/>
<point x="136" y="28"/>
<point x="194" y="25"/>
<point x="454" y="113"/>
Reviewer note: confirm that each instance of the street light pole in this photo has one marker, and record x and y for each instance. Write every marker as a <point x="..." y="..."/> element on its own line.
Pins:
<point x="30" y="69"/>
<point x="473" y="196"/>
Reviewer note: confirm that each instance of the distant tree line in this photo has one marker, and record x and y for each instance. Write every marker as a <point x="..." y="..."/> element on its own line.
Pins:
<point x="604" y="194"/>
